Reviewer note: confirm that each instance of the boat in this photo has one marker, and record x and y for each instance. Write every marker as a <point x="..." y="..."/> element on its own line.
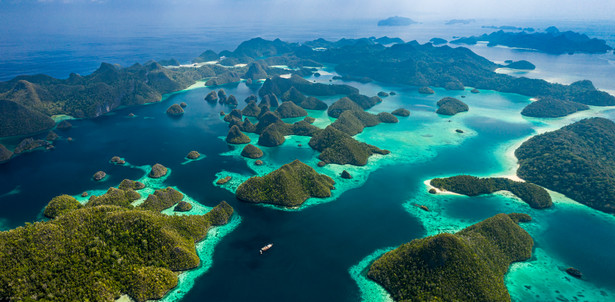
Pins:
<point x="266" y="247"/>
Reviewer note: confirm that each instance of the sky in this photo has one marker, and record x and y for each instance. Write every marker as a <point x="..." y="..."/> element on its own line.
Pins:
<point x="286" y="10"/>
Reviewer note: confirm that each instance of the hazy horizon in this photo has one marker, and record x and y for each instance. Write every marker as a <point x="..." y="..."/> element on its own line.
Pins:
<point x="190" y="12"/>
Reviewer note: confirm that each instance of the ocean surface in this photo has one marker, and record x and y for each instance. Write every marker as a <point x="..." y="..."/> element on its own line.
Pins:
<point x="321" y="249"/>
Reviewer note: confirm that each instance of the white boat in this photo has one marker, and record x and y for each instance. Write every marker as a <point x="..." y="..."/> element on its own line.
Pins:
<point x="266" y="247"/>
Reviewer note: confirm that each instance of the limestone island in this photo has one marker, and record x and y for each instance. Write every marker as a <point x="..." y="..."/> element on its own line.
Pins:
<point x="134" y="252"/>
<point x="577" y="160"/>
<point x="551" y="107"/>
<point x="289" y="186"/>
<point x="451" y="106"/>
<point x="551" y="41"/>
<point x="175" y="110"/>
<point x="117" y="160"/>
<point x="396" y="21"/>
<point x="401" y="112"/>
<point x="466" y="266"/>
<point x="193" y="155"/>
<point x="158" y="171"/>
<point x="251" y="151"/>
<point x="535" y="196"/>
<point x="98" y="176"/>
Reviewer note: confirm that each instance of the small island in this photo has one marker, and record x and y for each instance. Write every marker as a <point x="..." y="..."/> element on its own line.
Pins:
<point x="522" y="65"/>
<point x="158" y="171"/>
<point x="551" y="107"/>
<point x="396" y="21"/>
<point x="466" y="266"/>
<point x="451" y="106"/>
<point x="289" y="186"/>
<point x="535" y="196"/>
<point x="175" y="110"/>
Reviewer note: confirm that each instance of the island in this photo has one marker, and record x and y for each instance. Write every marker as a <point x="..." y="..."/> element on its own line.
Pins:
<point x="289" y="186"/>
<point x="396" y="21"/>
<point x="535" y="196"/>
<point x="466" y="266"/>
<point x="175" y="110"/>
<point x="251" y="151"/>
<point x="158" y="171"/>
<point x="451" y="106"/>
<point x="131" y="251"/>
<point x="340" y="148"/>
<point x="551" y="41"/>
<point x="193" y="155"/>
<point x="401" y="112"/>
<point x="235" y="136"/>
<point x="577" y="160"/>
<point x="522" y="64"/>
<point x="551" y="107"/>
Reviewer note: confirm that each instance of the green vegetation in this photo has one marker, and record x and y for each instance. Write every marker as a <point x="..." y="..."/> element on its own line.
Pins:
<point x="272" y="136"/>
<point x="175" y="110"/>
<point x="426" y="90"/>
<point x="340" y="148"/>
<point x="251" y="151"/>
<point x="251" y="110"/>
<point x="577" y="160"/>
<point x="5" y="154"/>
<point x="289" y="109"/>
<point x="30" y="144"/>
<point x="551" y="41"/>
<point x="386" y="117"/>
<point x="193" y="155"/>
<point x="158" y="171"/>
<point x="466" y="266"/>
<point x="114" y="197"/>
<point x="131" y="184"/>
<point x="235" y="136"/>
<point x="182" y="206"/>
<point x="30" y="100"/>
<point x="162" y="199"/>
<point x="352" y="122"/>
<point x="401" y="112"/>
<point x="522" y="64"/>
<point x="341" y="105"/>
<point x="531" y="194"/>
<point x="212" y="97"/>
<point x="451" y="106"/>
<point x="550" y="107"/>
<point x="278" y="86"/>
<point x="16" y="119"/>
<point x="289" y="186"/>
<point x="97" y="253"/>
<point x="313" y="103"/>
<point x="61" y="205"/>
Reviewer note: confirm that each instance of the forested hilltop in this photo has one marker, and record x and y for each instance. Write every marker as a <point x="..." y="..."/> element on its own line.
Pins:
<point x="577" y="160"/>
<point x="31" y="100"/>
<point x="466" y="266"/>
<point x="550" y="41"/>
<point x="103" y="249"/>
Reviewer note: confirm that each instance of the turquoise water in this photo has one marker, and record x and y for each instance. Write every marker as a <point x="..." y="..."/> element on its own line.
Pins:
<point x="321" y="249"/>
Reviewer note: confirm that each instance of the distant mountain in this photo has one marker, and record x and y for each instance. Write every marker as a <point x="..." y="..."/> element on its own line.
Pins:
<point x="551" y="41"/>
<point x="396" y="21"/>
<point x="459" y="21"/>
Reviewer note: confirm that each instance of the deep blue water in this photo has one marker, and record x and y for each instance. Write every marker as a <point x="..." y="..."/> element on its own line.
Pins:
<point x="315" y="247"/>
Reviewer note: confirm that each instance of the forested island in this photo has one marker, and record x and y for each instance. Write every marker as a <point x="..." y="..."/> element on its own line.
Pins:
<point x="550" y="41"/>
<point x="533" y="195"/>
<point x="103" y="249"/>
<point x="576" y="160"/>
<point x="289" y="186"/>
<point x="466" y="266"/>
<point x="551" y="107"/>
